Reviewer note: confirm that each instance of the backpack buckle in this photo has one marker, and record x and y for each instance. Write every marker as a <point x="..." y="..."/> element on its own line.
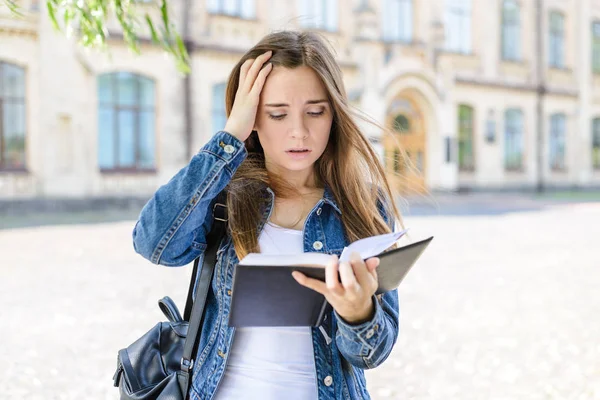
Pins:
<point x="186" y="365"/>
<point x="224" y="212"/>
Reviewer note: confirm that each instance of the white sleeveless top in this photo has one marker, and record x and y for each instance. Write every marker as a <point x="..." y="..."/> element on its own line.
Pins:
<point x="271" y="362"/>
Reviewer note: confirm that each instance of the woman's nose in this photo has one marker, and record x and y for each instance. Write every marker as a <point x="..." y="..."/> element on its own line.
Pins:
<point x="298" y="129"/>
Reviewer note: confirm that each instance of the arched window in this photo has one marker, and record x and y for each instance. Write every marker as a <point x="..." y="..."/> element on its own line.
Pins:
<point x="466" y="154"/>
<point x="397" y="161"/>
<point x="513" y="139"/>
<point x="401" y="124"/>
<point x="126" y="122"/>
<point x="558" y="124"/>
<point x="511" y="31"/>
<point x="12" y="117"/>
<point x="219" y="117"/>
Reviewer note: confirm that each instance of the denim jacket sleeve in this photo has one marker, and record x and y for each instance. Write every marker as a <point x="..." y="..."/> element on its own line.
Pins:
<point x="172" y="227"/>
<point x="367" y="345"/>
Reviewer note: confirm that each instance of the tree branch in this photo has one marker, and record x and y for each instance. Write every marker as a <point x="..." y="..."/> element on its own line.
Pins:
<point x="89" y="17"/>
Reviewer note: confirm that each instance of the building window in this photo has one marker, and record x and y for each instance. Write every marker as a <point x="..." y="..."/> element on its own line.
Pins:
<point x="12" y="117"/>
<point x="126" y="117"/>
<point x="596" y="47"/>
<point x="235" y="8"/>
<point x="401" y="124"/>
<point x="319" y="14"/>
<point x="466" y="156"/>
<point x="596" y="143"/>
<point x="558" y="124"/>
<point x="511" y="29"/>
<point x="219" y="114"/>
<point x="458" y="26"/>
<point x="397" y="17"/>
<point x="490" y="128"/>
<point x="556" y="51"/>
<point x="513" y="139"/>
<point x="397" y="161"/>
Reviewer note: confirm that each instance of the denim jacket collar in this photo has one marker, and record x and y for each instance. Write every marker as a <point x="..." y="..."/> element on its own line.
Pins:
<point x="330" y="199"/>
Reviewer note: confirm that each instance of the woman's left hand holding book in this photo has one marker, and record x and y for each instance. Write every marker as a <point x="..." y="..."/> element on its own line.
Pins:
<point x="349" y="287"/>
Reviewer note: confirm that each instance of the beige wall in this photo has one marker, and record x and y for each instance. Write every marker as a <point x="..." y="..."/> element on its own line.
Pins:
<point x="62" y="106"/>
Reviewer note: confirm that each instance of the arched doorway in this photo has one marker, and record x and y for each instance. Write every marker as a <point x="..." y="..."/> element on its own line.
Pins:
<point x="405" y="149"/>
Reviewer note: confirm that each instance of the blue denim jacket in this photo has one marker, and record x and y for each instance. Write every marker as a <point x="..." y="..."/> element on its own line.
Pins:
<point x="171" y="231"/>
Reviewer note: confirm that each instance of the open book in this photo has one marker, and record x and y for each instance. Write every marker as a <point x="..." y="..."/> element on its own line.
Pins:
<point x="266" y="294"/>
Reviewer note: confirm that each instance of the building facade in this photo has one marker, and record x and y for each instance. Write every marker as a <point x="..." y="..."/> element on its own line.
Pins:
<point x="494" y="95"/>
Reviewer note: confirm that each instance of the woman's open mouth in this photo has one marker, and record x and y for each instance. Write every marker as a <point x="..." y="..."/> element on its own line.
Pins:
<point x="298" y="154"/>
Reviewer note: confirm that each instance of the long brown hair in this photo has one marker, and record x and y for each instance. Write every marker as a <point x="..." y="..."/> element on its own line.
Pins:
<point x="349" y="165"/>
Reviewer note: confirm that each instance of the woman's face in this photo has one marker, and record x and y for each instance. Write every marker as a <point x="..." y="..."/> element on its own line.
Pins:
<point x="294" y="114"/>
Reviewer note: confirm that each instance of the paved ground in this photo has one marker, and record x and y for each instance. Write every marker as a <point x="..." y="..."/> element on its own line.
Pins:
<point x="503" y="305"/>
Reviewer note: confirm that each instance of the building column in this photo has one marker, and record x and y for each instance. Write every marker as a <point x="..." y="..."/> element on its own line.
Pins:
<point x="368" y="53"/>
<point x="580" y="141"/>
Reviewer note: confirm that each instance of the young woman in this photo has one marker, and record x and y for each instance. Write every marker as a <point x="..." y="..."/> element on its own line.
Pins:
<point x="300" y="176"/>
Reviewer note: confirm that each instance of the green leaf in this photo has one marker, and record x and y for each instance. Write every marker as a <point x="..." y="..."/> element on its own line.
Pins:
<point x="181" y="46"/>
<point x="52" y="15"/>
<point x="67" y="16"/>
<point x="13" y="7"/>
<point x="88" y="19"/>
<point x="152" y="29"/>
<point x="164" y="12"/>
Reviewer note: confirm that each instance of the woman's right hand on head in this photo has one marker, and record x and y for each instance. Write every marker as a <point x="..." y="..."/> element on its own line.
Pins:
<point x="243" y="113"/>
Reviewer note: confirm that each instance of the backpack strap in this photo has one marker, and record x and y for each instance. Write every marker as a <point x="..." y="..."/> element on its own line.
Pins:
<point x="213" y="239"/>
<point x="194" y="309"/>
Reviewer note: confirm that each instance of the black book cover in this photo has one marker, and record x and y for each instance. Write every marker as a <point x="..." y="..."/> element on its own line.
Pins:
<point x="270" y="296"/>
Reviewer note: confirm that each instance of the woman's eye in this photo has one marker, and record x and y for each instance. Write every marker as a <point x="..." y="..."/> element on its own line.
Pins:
<point x="316" y="114"/>
<point x="276" y="117"/>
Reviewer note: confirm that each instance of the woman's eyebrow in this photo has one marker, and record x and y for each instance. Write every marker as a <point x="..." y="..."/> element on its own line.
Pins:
<point x="287" y="105"/>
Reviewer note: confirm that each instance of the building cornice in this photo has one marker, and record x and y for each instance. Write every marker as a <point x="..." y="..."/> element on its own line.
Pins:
<point x="196" y="47"/>
<point x="26" y="29"/>
<point x="517" y="86"/>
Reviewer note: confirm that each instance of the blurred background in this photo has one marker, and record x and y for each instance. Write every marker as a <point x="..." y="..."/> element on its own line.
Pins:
<point x="496" y="104"/>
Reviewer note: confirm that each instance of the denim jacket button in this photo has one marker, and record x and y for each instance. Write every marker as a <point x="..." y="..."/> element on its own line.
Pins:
<point x="317" y="245"/>
<point x="328" y="380"/>
<point x="319" y="211"/>
<point x="370" y="333"/>
<point x="229" y="149"/>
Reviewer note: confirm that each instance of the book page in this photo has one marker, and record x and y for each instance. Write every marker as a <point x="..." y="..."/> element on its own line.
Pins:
<point x="371" y="246"/>
<point x="304" y="259"/>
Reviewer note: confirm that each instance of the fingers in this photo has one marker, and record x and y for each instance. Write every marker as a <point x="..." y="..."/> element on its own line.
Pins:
<point x="331" y="277"/>
<point x="360" y="269"/>
<point x="254" y="70"/>
<point x="260" y="80"/>
<point x="243" y="73"/>
<point x="372" y="264"/>
<point x="348" y="279"/>
<point x="314" y="284"/>
<point x="353" y="276"/>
